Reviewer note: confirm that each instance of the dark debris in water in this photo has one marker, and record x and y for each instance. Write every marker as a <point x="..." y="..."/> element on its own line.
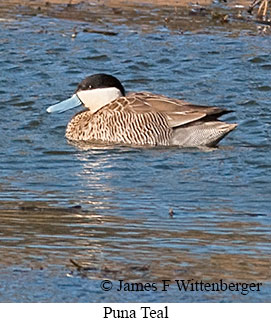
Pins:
<point x="39" y="208"/>
<point x="35" y="209"/>
<point x="112" y="270"/>
<point x="171" y="212"/>
<point x="80" y="267"/>
<point x="102" y="32"/>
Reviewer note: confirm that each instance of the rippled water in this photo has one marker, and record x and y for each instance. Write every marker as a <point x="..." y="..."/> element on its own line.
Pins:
<point x="107" y="208"/>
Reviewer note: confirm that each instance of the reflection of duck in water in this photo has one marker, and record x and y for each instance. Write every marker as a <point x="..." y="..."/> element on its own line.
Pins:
<point x="139" y="118"/>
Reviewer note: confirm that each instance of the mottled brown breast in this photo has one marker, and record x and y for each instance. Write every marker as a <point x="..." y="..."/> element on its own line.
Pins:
<point x="118" y="122"/>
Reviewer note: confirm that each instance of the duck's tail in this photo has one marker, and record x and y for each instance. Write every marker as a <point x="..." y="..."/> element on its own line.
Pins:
<point x="201" y="134"/>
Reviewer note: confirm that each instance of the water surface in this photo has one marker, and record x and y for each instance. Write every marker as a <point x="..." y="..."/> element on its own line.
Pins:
<point x="107" y="207"/>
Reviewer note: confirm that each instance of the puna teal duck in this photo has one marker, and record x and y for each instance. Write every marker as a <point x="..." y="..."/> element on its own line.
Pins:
<point x="139" y="118"/>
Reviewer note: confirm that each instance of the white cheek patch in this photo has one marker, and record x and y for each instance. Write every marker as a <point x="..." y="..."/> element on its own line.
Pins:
<point x="97" y="98"/>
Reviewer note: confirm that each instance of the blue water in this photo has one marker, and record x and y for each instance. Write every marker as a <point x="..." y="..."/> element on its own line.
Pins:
<point x="107" y="207"/>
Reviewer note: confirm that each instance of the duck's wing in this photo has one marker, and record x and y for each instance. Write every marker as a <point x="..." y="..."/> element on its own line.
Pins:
<point x="178" y="112"/>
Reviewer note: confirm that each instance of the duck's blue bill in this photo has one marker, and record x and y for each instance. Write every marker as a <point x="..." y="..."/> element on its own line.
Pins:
<point x="65" y="105"/>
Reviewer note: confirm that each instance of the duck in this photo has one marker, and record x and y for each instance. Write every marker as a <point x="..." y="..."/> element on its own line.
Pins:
<point x="139" y="118"/>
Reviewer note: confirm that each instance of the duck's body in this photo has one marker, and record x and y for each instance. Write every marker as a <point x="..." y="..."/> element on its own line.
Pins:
<point x="142" y="118"/>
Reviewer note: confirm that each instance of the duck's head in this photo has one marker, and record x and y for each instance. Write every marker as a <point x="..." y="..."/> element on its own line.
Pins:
<point x="93" y="92"/>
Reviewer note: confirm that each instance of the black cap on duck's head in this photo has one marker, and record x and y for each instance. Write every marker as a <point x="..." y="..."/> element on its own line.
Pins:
<point x="94" y="92"/>
<point x="100" y="81"/>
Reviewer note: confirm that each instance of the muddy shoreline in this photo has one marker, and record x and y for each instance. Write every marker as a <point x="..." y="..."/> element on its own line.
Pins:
<point x="146" y="15"/>
<point x="123" y="3"/>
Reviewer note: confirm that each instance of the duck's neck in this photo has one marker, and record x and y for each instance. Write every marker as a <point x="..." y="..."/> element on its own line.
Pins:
<point x="97" y="98"/>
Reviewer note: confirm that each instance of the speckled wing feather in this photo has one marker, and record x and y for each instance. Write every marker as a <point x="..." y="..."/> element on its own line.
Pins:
<point x="178" y="112"/>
